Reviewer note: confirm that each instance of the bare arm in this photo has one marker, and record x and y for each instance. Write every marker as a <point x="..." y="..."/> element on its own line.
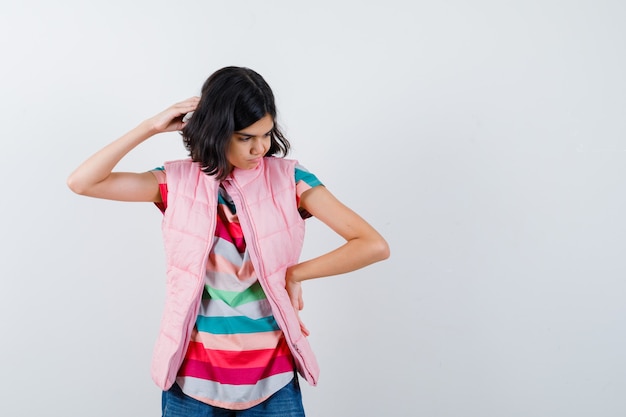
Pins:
<point x="364" y="245"/>
<point x="95" y="176"/>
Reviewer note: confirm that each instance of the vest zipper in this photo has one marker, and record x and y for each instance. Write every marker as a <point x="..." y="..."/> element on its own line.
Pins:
<point x="259" y="267"/>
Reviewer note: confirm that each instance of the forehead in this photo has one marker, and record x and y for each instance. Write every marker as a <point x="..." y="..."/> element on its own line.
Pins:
<point x="258" y="128"/>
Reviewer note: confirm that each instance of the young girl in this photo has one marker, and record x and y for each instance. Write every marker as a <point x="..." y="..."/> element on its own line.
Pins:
<point x="231" y="340"/>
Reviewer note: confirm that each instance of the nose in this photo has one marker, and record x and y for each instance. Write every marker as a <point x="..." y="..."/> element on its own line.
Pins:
<point x="258" y="148"/>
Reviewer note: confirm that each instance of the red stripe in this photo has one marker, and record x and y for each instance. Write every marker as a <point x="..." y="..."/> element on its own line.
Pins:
<point x="230" y="233"/>
<point x="235" y="358"/>
<point x="163" y="190"/>
<point x="238" y="376"/>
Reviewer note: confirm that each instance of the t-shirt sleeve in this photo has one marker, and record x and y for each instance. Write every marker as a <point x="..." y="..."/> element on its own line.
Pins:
<point x="305" y="180"/>
<point x="161" y="177"/>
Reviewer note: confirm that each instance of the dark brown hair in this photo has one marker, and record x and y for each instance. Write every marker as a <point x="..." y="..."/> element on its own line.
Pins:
<point x="232" y="99"/>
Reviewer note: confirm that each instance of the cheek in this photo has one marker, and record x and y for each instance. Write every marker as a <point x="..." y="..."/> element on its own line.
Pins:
<point x="236" y="151"/>
<point x="231" y="153"/>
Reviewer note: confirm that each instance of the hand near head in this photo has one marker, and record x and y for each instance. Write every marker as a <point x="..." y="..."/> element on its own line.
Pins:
<point x="171" y="119"/>
<point x="95" y="176"/>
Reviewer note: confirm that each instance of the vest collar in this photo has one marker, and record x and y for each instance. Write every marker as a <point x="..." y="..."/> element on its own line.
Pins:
<point x="245" y="176"/>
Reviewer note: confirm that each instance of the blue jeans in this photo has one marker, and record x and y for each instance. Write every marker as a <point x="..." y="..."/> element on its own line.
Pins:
<point x="287" y="402"/>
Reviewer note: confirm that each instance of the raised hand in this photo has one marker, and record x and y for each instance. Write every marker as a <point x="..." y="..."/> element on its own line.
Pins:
<point x="171" y="119"/>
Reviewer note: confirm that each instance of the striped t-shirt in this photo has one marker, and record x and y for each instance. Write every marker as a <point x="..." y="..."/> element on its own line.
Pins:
<point x="237" y="355"/>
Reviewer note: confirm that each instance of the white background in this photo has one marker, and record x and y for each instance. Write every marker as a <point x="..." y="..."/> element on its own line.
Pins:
<point x="486" y="140"/>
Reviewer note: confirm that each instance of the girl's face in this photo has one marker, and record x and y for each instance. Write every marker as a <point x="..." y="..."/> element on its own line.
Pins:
<point x="247" y="146"/>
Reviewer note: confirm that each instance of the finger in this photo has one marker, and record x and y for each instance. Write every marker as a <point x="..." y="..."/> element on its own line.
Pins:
<point x="295" y="304"/>
<point x="187" y="116"/>
<point x="187" y="105"/>
<point x="303" y="328"/>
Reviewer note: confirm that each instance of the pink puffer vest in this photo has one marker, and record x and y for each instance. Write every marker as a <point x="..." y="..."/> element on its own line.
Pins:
<point x="274" y="231"/>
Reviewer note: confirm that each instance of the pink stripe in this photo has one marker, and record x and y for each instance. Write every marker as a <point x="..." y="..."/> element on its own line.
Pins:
<point x="220" y="264"/>
<point x="229" y="215"/>
<point x="242" y="341"/>
<point x="301" y="187"/>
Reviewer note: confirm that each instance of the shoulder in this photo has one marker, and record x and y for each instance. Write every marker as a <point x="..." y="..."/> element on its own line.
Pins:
<point x="179" y="163"/>
<point x="159" y="173"/>
<point x="294" y="168"/>
<point x="174" y="166"/>
<point x="182" y="168"/>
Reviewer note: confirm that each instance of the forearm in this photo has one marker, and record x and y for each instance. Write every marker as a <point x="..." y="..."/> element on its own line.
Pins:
<point x="354" y="254"/>
<point x="100" y="165"/>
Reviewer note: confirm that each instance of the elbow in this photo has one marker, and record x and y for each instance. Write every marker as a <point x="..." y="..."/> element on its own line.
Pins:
<point x="75" y="185"/>
<point x="381" y="250"/>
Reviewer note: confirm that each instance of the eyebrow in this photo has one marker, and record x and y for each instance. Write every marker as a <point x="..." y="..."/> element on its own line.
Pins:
<point x="250" y="134"/>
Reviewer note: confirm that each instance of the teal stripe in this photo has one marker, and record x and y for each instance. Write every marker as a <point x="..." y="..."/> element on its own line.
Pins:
<point x="221" y="200"/>
<point x="224" y="199"/>
<point x="234" y="325"/>
<point x="303" y="175"/>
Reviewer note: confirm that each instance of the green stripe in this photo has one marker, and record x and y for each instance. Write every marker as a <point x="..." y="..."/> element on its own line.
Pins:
<point x="237" y="298"/>
<point x="234" y="325"/>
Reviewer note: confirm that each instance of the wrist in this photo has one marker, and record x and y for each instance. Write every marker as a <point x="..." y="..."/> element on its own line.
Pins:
<point x="291" y="274"/>
<point x="143" y="131"/>
<point x="147" y="128"/>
